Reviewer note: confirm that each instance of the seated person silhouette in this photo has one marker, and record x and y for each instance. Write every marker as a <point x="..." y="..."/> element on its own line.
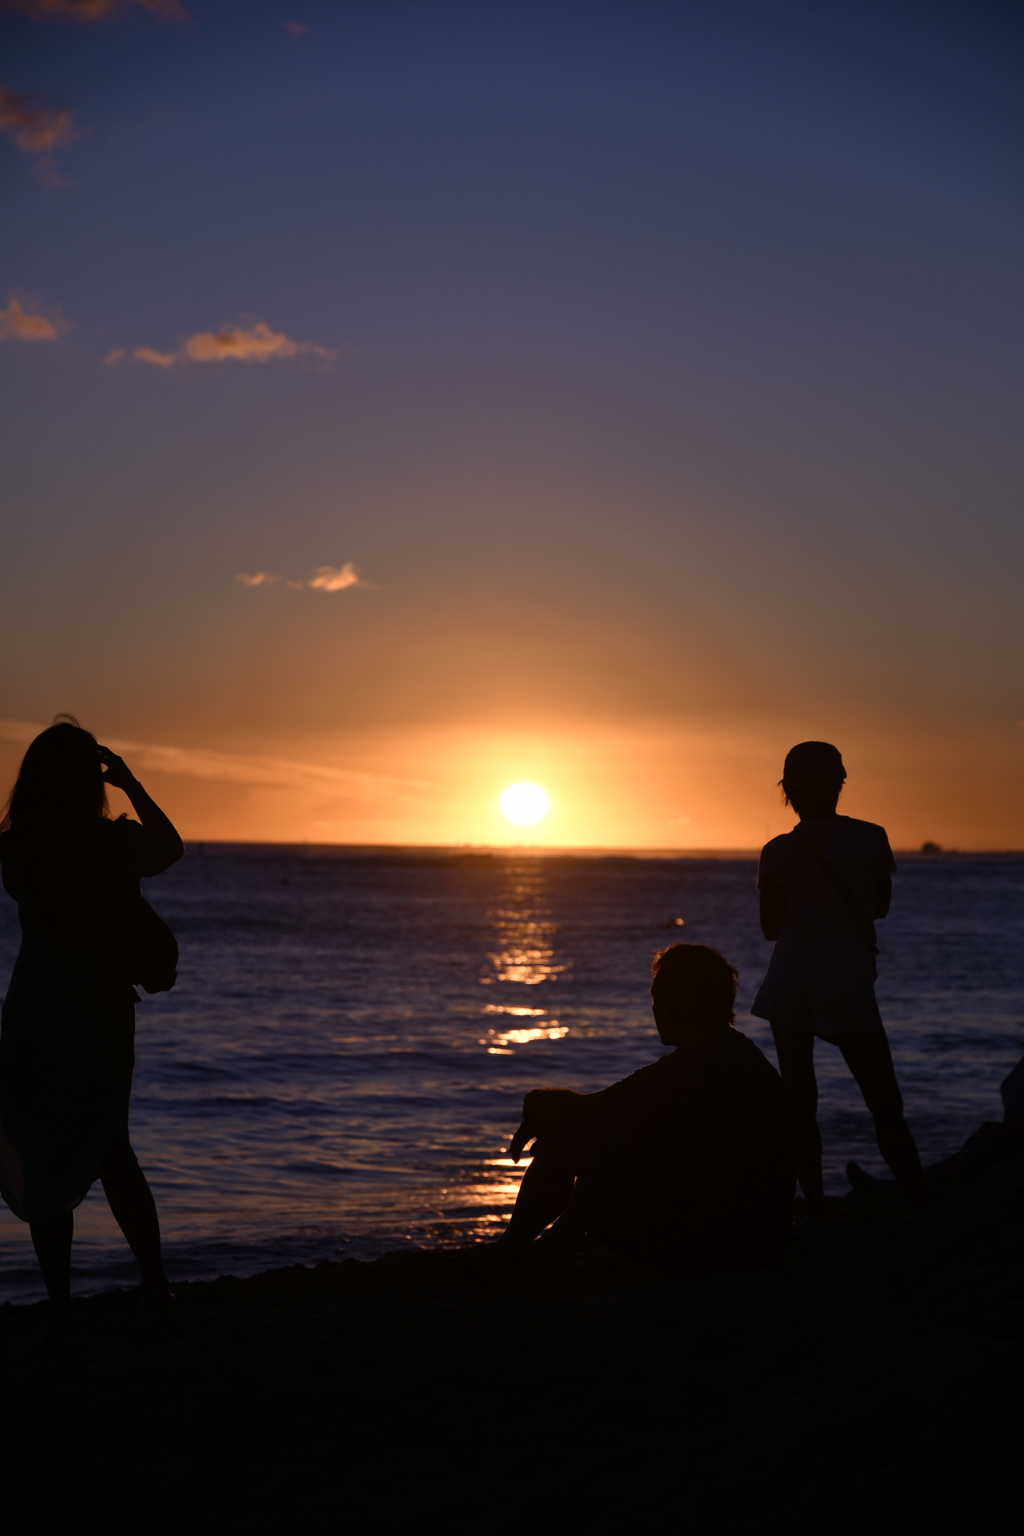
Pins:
<point x="690" y="1163"/>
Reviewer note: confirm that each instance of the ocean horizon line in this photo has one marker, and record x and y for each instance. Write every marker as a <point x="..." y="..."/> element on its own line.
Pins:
<point x="544" y="850"/>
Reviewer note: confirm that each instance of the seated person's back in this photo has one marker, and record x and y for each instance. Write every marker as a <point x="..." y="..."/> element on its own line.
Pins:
<point x="708" y="1144"/>
<point x="691" y="1160"/>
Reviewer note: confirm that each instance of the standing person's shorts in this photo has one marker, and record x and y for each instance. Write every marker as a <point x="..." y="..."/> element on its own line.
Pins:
<point x="827" y="988"/>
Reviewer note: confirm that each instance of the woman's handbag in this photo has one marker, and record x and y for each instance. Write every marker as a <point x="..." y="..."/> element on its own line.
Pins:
<point x="152" y="949"/>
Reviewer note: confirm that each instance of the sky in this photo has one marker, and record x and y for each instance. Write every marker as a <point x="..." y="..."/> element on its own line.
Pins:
<point x="404" y="400"/>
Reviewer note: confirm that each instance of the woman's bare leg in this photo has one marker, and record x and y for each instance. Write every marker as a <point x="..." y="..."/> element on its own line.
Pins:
<point x="52" y="1242"/>
<point x="794" y="1046"/>
<point x="870" y="1060"/>
<point x="134" y="1209"/>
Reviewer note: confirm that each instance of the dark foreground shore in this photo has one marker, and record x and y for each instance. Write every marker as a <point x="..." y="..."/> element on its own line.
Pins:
<point x="870" y="1382"/>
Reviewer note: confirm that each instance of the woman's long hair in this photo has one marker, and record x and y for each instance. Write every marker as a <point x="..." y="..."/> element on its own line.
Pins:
<point x="60" y="780"/>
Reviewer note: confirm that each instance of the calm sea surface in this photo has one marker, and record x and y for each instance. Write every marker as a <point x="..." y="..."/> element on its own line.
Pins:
<point x="343" y="1060"/>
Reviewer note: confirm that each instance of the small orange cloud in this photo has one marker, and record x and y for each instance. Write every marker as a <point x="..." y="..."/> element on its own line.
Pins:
<point x="330" y="580"/>
<point x="95" y="10"/>
<point x="296" y="28"/>
<point x="254" y="345"/>
<point x="326" y="578"/>
<point x="15" y="321"/>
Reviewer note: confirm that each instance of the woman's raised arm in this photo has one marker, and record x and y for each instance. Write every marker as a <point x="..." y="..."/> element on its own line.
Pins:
<point x="117" y="773"/>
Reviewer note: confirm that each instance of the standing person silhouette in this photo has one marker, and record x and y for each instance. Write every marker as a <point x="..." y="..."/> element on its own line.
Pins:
<point x="67" y="1038"/>
<point x="822" y="887"/>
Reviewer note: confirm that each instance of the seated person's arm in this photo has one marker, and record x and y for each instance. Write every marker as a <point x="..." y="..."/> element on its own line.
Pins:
<point x="547" y="1109"/>
<point x="883" y="895"/>
<point x="773" y="908"/>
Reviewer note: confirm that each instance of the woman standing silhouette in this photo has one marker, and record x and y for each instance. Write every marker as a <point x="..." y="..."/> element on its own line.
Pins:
<point x="67" y="1038"/>
<point x="822" y="887"/>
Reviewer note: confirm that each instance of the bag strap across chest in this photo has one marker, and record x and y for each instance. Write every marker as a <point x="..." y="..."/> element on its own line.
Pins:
<point x="864" y="922"/>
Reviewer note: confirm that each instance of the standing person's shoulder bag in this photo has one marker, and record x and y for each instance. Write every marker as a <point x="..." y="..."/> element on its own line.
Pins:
<point x="864" y="922"/>
<point x="152" y="949"/>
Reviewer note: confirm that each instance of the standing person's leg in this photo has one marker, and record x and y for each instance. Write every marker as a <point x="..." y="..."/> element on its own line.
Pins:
<point x="794" y="1046"/>
<point x="52" y="1243"/>
<point x="131" y="1201"/>
<point x="870" y="1060"/>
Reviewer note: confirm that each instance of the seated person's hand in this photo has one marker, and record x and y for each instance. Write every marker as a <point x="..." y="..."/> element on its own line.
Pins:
<point x="518" y="1143"/>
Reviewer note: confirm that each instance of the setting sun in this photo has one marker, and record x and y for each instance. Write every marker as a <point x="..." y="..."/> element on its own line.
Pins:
<point x="524" y="804"/>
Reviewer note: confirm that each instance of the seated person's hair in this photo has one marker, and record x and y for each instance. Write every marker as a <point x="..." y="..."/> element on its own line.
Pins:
<point x="703" y="975"/>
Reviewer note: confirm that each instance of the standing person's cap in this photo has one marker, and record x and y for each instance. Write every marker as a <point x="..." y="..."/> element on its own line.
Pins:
<point x="814" y="762"/>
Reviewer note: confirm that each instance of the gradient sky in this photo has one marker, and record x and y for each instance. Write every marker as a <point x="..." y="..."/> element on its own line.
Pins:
<point x="640" y="382"/>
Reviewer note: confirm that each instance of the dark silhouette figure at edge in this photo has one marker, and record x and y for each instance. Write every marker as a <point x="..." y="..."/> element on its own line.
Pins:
<point x="993" y="1142"/>
<point x="689" y="1163"/>
<point x="67" y="1040"/>
<point x="822" y="887"/>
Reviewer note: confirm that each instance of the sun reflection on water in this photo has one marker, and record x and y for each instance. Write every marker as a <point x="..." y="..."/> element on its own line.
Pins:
<point x="495" y="1040"/>
<point x="524" y="932"/>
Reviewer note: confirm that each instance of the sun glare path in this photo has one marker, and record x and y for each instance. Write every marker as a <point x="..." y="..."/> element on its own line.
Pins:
<point x="524" y="804"/>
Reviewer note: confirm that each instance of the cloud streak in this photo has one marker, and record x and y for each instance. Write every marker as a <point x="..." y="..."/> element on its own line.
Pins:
<point x="19" y="323"/>
<point x="92" y="11"/>
<point x="239" y="768"/>
<point x="257" y="344"/>
<point x="326" y="578"/>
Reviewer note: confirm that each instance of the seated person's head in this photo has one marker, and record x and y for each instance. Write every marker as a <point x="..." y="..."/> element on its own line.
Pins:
<point x="812" y="778"/>
<point x="694" y="989"/>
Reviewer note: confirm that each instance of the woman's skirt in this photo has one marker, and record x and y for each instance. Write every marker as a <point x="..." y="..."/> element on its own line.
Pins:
<point x="67" y="1054"/>
<point x="828" y="988"/>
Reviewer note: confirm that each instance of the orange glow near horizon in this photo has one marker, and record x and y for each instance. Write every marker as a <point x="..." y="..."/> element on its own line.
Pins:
<point x="633" y="786"/>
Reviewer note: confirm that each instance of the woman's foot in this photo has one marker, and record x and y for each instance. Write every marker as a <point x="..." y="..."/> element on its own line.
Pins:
<point x="158" y="1294"/>
<point x="864" y="1183"/>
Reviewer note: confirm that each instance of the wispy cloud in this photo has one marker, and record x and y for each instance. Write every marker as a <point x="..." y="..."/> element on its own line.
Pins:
<point x="157" y="359"/>
<point x="326" y="578"/>
<point x="239" y="768"/>
<point x="33" y="127"/>
<point x="37" y="129"/>
<point x="257" y="344"/>
<point x="296" y="28"/>
<point x="17" y="322"/>
<point x="89" y="11"/>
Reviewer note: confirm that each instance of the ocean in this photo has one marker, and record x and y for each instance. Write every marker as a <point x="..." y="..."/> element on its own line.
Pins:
<point x="342" y="1063"/>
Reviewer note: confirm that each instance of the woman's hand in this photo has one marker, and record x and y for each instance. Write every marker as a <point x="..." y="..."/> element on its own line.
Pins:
<point x="116" y="771"/>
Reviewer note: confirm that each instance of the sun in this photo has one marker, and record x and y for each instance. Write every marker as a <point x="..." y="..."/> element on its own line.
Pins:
<point x="524" y="804"/>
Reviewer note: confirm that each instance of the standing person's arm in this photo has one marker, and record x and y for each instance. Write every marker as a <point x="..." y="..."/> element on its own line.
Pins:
<point x="159" y="826"/>
<point x="773" y="908"/>
<point x="883" y="879"/>
<point x="774" y="900"/>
